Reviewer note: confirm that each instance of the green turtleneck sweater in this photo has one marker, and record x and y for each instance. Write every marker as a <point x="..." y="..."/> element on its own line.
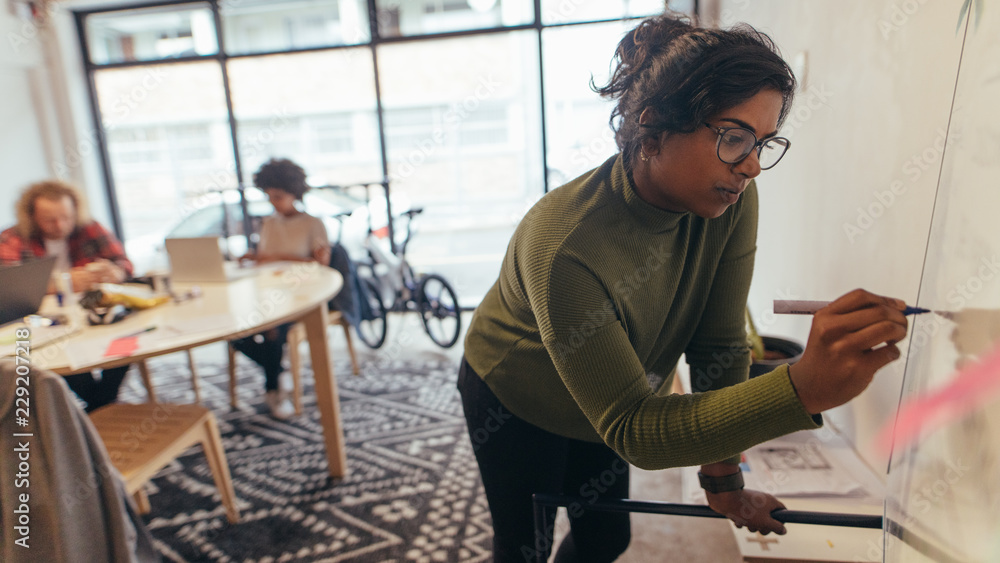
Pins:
<point x="599" y="288"/>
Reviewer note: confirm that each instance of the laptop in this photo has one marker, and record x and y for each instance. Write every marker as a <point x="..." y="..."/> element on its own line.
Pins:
<point x="23" y="287"/>
<point x="200" y="259"/>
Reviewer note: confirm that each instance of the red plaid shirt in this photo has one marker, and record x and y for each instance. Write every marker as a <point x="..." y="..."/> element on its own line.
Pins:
<point x="86" y="244"/>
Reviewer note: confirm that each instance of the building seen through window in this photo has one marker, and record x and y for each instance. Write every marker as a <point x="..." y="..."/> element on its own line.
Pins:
<point x="462" y="115"/>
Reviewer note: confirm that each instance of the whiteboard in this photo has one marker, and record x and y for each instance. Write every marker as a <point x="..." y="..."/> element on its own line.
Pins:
<point x="943" y="501"/>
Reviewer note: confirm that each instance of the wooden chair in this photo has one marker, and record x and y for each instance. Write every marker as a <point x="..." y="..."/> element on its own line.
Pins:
<point x="142" y="438"/>
<point x="147" y="380"/>
<point x="296" y="335"/>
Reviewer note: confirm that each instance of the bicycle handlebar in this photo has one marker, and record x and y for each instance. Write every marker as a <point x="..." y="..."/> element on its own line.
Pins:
<point x="409" y="213"/>
<point x="342" y="187"/>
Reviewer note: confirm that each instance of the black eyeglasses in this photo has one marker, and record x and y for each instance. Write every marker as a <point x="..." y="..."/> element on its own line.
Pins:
<point x="736" y="143"/>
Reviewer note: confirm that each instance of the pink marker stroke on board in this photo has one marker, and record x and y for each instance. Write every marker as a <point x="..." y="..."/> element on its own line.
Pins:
<point x="973" y="386"/>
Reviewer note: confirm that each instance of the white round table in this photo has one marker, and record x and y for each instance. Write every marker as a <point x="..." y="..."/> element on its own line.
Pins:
<point x="269" y="296"/>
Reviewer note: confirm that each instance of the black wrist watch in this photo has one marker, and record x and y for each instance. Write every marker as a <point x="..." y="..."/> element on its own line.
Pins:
<point x="724" y="484"/>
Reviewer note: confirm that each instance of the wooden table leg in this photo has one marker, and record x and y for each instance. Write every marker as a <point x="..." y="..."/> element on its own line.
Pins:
<point x="327" y="398"/>
<point x="193" y="367"/>
<point x="232" y="374"/>
<point x="146" y="380"/>
<point x="295" y="337"/>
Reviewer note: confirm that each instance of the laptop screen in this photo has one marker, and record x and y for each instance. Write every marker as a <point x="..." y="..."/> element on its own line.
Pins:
<point x="23" y="287"/>
<point x="195" y="259"/>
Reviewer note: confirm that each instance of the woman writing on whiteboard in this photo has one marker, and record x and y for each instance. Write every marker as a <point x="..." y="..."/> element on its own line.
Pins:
<point x="616" y="274"/>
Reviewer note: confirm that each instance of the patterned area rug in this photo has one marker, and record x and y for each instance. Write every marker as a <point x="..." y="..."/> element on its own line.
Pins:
<point x="413" y="491"/>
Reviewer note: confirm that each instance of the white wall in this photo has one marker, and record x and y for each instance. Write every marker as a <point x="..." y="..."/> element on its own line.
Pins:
<point x="850" y="205"/>
<point x="48" y="131"/>
<point x="77" y="159"/>
<point x="23" y="152"/>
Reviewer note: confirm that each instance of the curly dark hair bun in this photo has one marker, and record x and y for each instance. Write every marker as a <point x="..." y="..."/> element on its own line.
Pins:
<point x="684" y="74"/>
<point x="282" y="174"/>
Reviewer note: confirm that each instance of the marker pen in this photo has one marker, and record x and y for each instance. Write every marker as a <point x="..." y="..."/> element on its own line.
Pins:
<point x="138" y="332"/>
<point x="792" y="307"/>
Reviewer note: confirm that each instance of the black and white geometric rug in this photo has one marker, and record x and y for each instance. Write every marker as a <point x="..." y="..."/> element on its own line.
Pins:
<point x="412" y="493"/>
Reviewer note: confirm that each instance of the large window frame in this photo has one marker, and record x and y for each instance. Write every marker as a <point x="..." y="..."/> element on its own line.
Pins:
<point x="376" y="39"/>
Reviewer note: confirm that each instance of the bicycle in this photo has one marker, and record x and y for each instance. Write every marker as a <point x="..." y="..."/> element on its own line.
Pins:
<point x="386" y="277"/>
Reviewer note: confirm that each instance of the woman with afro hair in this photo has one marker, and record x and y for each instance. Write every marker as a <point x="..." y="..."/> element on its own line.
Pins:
<point x="289" y="234"/>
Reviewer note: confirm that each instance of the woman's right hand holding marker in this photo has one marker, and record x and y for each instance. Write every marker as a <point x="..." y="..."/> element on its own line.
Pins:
<point x="845" y="348"/>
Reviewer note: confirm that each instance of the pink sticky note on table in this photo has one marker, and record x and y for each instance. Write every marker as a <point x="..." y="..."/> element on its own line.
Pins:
<point x="123" y="346"/>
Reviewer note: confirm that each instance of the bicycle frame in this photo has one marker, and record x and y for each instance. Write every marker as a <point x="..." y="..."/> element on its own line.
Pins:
<point x="388" y="284"/>
<point x="392" y="270"/>
<point x="388" y="268"/>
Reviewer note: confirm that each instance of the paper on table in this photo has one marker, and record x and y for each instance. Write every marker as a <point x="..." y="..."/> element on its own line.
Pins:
<point x="88" y="349"/>
<point x="39" y="336"/>
<point x="806" y="464"/>
<point x="208" y="323"/>
<point x="85" y="350"/>
<point x="799" y="470"/>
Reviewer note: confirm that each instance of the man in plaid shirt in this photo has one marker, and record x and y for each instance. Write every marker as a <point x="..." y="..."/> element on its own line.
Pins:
<point x="51" y="222"/>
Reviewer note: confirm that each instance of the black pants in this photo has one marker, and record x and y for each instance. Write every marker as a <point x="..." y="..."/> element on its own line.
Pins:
<point x="266" y="349"/>
<point x="517" y="459"/>
<point x="97" y="393"/>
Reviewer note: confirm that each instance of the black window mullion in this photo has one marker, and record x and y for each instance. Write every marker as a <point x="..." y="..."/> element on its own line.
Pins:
<point x="100" y="137"/>
<point x="374" y="41"/>
<point x="233" y="135"/>
<point x="541" y="97"/>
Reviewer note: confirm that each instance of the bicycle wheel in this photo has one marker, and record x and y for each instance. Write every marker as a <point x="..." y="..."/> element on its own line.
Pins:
<point x="371" y="328"/>
<point x="439" y="310"/>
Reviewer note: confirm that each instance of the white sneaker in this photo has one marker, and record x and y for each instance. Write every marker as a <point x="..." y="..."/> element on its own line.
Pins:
<point x="281" y="407"/>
